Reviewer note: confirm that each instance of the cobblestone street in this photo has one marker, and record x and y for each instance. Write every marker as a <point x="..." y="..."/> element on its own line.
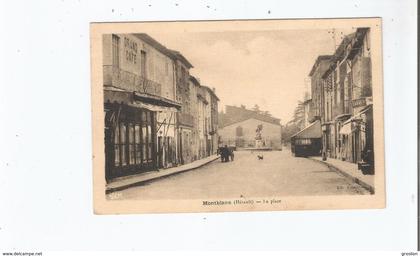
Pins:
<point x="278" y="174"/>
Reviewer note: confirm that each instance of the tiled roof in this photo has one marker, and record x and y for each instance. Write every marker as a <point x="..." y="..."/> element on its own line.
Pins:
<point x="181" y="58"/>
<point x="211" y="91"/>
<point x="158" y="46"/>
<point x="194" y="80"/>
<point x="339" y="53"/>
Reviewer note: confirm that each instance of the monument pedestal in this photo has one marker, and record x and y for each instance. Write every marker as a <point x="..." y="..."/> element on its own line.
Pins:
<point x="258" y="144"/>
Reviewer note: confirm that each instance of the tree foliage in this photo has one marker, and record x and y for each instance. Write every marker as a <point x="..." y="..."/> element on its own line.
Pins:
<point x="294" y="125"/>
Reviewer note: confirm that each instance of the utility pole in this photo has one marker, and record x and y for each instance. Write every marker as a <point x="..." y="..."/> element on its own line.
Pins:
<point x="333" y="35"/>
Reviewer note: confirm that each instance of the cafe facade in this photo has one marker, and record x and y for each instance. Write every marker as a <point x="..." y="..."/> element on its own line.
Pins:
<point x="139" y="105"/>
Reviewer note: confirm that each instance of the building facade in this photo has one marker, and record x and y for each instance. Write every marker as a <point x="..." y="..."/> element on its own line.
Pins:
<point x="139" y="94"/>
<point x="212" y="120"/>
<point x="341" y="87"/>
<point x="184" y="116"/>
<point x="238" y="125"/>
<point x="204" y="109"/>
<point x="306" y="113"/>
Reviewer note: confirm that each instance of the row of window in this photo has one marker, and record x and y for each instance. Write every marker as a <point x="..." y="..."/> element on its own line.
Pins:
<point x="303" y="142"/>
<point x="116" y="56"/>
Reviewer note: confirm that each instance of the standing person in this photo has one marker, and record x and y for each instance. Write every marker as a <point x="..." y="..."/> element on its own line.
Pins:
<point x="225" y="153"/>
<point x="232" y="155"/>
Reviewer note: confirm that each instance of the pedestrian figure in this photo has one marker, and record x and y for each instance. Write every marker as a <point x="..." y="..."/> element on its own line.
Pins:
<point x="232" y="155"/>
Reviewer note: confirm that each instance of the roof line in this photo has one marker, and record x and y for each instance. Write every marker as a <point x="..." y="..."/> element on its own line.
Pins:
<point x="320" y="57"/>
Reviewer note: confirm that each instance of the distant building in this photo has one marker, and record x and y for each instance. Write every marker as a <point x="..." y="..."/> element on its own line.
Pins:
<point x="205" y="134"/>
<point x="139" y="104"/>
<point x="212" y="120"/>
<point x="238" y="125"/>
<point x="348" y="114"/>
<point x="318" y="69"/>
<point x="184" y="117"/>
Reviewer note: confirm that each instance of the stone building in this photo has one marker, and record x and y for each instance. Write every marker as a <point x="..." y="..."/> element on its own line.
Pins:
<point x="212" y="116"/>
<point x="341" y="87"/>
<point x="238" y="125"/>
<point x="348" y="97"/>
<point x="139" y="104"/>
<point x="205" y="133"/>
<point x="154" y="117"/>
<point x="318" y="69"/>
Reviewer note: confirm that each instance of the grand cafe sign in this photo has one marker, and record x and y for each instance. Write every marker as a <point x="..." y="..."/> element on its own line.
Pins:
<point x="130" y="49"/>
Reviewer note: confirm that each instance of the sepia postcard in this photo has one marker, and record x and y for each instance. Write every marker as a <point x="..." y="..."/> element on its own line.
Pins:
<point x="240" y="115"/>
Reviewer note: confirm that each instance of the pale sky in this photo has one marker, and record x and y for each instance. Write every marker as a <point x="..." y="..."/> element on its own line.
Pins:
<point x="268" y="68"/>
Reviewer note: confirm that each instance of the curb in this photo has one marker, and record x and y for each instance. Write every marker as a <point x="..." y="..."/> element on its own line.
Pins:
<point x="366" y="186"/>
<point x="138" y="183"/>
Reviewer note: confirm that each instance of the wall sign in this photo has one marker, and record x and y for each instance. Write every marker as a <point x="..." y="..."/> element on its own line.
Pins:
<point x="359" y="102"/>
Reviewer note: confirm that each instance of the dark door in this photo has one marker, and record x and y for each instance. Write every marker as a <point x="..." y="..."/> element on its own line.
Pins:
<point x="160" y="152"/>
<point x="143" y="64"/>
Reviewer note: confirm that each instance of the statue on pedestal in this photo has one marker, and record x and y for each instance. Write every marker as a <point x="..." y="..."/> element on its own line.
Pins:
<point x="258" y="136"/>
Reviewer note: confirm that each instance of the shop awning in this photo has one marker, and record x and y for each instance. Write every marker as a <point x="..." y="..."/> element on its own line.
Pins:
<point x="140" y="100"/>
<point x="313" y="131"/>
<point x="364" y="110"/>
<point x="357" y="115"/>
<point x="342" y="117"/>
<point x="113" y="94"/>
<point x="154" y="108"/>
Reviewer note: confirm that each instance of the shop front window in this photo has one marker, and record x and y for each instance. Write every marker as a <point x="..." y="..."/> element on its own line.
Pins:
<point x="123" y="144"/>
<point x="149" y="137"/>
<point x="117" y="146"/>
<point x="131" y="144"/>
<point x="137" y="143"/>
<point x="145" y="142"/>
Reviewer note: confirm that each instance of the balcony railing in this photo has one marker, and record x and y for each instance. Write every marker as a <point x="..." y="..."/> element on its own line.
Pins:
<point x="117" y="77"/>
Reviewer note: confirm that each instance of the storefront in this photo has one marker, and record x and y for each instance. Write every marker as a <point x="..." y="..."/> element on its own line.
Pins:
<point x="185" y="141"/>
<point x="166" y="140"/>
<point x="346" y="148"/>
<point x="342" y="130"/>
<point x="131" y="132"/>
<point x="307" y="142"/>
<point x="328" y="139"/>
